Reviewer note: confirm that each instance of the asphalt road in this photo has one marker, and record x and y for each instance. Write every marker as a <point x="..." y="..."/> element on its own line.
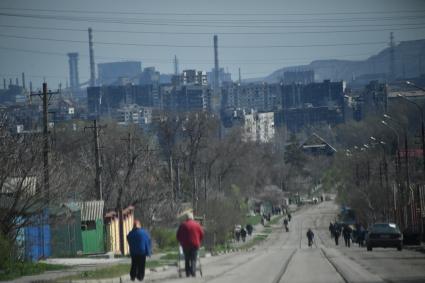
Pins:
<point x="286" y="257"/>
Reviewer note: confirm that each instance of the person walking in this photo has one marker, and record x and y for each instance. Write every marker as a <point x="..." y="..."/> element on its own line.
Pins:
<point x="190" y="235"/>
<point x="140" y="247"/>
<point x="238" y="232"/>
<point x="285" y="224"/>
<point x="310" y="237"/>
<point x="337" y="233"/>
<point x="346" y="232"/>
<point x="243" y="234"/>
<point x="289" y="217"/>
<point x="331" y="229"/>
<point x="249" y="229"/>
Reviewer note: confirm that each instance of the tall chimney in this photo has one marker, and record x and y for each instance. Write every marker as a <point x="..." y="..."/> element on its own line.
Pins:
<point x="216" y="81"/>
<point x="240" y="78"/>
<point x="30" y="86"/>
<point x="17" y="81"/>
<point x="23" y="80"/>
<point x="73" y="70"/>
<point x="176" y="65"/>
<point x="91" y="51"/>
<point x="4" y="83"/>
<point x="10" y="82"/>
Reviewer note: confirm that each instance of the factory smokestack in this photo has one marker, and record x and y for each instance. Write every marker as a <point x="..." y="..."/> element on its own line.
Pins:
<point x="73" y="70"/>
<point x="216" y="79"/>
<point x="176" y="65"/>
<point x="30" y="86"/>
<point x="4" y="83"/>
<point x="23" y="80"/>
<point x="91" y="53"/>
<point x="17" y="82"/>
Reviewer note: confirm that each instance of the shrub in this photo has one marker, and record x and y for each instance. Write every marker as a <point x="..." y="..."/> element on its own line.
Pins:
<point x="5" y="252"/>
<point x="165" y="238"/>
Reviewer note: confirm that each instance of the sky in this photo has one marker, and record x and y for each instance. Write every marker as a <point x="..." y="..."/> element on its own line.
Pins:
<point x="257" y="36"/>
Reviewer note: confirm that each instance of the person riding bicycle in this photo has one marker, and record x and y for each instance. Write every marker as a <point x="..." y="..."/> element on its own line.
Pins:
<point x="310" y="237"/>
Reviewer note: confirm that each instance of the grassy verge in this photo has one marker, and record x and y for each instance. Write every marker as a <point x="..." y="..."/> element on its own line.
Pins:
<point x="20" y="269"/>
<point x="109" y="272"/>
<point x="275" y="220"/>
<point x="257" y="239"/>
<point x="169" y="256"/>
<point x="253" y="220"/>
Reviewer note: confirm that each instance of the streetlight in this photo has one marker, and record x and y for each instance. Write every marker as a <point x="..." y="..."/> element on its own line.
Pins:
<point x="397" y="213"/>
<point x="421" y="110"/>
<point x="404" y="221"/>
<point x="385" y="167"/>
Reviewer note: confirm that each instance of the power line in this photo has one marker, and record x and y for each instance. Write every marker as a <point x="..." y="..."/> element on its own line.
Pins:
<point x="422" y="26"/>
<point x="190" y="24"/>
<point x="197" y="46"/>
<point x="216" y="14"/>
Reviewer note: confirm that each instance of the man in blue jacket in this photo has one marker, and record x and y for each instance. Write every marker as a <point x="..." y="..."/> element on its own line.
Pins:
<point x="140" y="247"/>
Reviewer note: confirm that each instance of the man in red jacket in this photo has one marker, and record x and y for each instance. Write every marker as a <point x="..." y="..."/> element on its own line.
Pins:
<point x="190" y="235"/>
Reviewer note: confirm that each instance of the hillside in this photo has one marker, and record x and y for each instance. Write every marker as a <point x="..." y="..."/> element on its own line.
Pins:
<point x="409" y="62"/>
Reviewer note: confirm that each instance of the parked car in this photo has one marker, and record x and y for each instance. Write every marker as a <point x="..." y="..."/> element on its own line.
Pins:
<point x="384" y="235"/>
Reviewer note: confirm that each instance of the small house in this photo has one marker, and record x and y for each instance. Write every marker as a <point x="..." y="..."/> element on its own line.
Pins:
<point x="113" y="231"/>
<point x="92" y="227"/>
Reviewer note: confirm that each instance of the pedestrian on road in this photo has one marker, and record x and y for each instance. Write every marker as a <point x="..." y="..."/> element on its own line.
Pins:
<point x="331" y="229"/>
<point x="361" y="235"/>
<point x="337" y="233"/>
<point x="249" y="229"/>
<point x="243" y="234"/>
<point x="140" y="247"/>
<point x="346" y="232"/>
<point x="310" y="237"/>
<point x="190" y="235"/>
<point x="237" y="232"/>
<point x="289" y="217"/>
<point x="285" y="224"/>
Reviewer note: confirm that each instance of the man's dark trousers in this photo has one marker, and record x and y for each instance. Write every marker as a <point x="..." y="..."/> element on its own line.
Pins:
<point x="137" y="267"/>
<point x="190" y="261"/>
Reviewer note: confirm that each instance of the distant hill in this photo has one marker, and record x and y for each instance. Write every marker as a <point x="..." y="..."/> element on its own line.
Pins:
<point x="409" y="62"/>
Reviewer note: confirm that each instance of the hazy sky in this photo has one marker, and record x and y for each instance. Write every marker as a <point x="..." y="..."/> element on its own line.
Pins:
<point x="257" y="36"/>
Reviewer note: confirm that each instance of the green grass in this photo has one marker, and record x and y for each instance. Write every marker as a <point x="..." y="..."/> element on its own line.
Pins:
<point x="257" y="239"/>
<point x="169" y="256"/>
<point x="253" y="220"/>
<point x="275" y="220"/>
<point x="109" y="272"/>
<point x="19" y="269"/>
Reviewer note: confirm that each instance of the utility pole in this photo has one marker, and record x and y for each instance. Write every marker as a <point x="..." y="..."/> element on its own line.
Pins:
<point x="126" y="184"/>
<point x="392" y="58"/>
<point x="98" y="166"/>
<point x="45" y="96"/>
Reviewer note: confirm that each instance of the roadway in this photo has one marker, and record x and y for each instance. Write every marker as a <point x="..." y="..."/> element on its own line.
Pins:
<point x="286" y="257"/>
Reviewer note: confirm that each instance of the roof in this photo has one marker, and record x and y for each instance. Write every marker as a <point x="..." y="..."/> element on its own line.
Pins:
<point x="25" y="184"/>
<point x="91" y="210"/>
<point x="126" y="211"/>
<point x="315" y="141"/>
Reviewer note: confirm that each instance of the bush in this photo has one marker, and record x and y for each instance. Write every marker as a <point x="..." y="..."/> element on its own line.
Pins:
<point x="164" y="238"/>
<point x="5" y="252"/>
